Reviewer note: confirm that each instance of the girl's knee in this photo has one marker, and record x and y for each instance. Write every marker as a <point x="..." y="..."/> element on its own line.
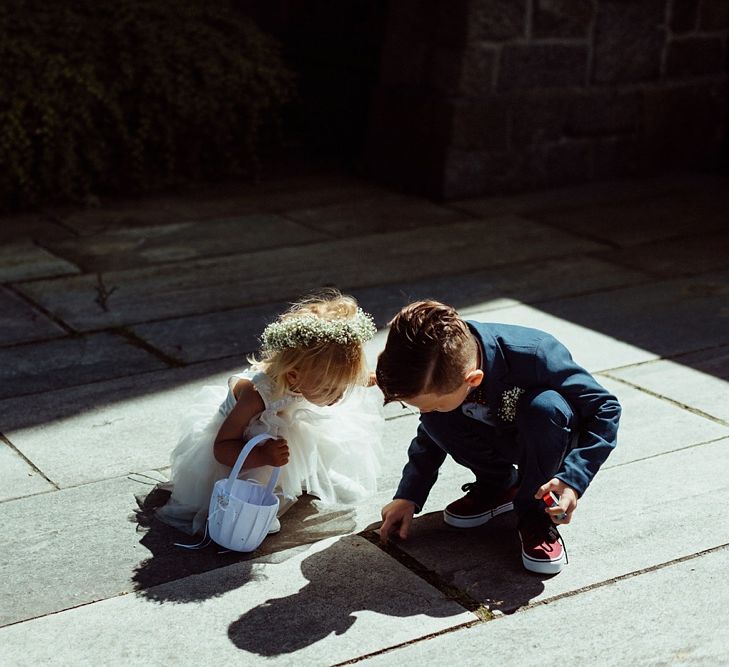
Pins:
<point x="541" y="407"/>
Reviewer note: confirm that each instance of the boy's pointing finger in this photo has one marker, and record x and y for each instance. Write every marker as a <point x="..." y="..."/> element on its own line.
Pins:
<point x="405" y="525"/>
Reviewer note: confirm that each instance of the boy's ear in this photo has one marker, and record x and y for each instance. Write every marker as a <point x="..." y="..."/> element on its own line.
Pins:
<point x="474" y="378"/>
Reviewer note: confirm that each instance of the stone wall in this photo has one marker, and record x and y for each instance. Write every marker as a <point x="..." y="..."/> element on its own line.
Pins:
<point x="481" y="96"/>
<point x="333" y="48"/>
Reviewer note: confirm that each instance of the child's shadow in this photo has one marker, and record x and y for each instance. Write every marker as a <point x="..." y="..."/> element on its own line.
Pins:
<point x="485" y="562"/>
<point x="346" y="578"/>
<point x="303" y="524"/>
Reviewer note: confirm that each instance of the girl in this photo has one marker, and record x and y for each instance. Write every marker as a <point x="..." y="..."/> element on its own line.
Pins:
<point x="311" y="358"/>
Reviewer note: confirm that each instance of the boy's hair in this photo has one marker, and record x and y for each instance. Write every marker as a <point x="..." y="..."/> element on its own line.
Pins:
<point x="428" y="351"/>
<point x="332" y="357"/>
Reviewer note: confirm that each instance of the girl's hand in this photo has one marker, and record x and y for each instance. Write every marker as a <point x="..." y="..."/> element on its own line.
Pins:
<point x="372" y="381"/>
<point x="567" y="499"/>
<point x="275" y="452"/>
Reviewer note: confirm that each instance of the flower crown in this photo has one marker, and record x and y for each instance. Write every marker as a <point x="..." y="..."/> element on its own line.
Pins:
<point x="303" y="330"/>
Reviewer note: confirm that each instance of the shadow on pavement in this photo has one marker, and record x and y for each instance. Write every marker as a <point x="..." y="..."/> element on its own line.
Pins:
<point x="339" y="587"/>
<point x="306" y="522"/>
<point x="483" y="563"/>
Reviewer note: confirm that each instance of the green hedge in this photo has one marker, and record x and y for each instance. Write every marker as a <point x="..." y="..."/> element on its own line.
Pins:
<point x="127" y="96"/>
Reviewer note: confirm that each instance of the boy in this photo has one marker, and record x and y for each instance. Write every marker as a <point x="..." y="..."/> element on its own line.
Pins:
<point x="491" y="396"/>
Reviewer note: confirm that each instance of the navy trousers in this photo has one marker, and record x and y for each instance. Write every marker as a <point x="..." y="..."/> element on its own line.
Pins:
<point x="542" y="435"/>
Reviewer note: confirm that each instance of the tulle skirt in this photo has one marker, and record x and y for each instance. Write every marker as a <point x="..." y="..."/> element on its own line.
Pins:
<point x="334" y="453"/>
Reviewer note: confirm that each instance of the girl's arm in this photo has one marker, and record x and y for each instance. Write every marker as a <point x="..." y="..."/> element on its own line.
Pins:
<point x="231" y="436"/>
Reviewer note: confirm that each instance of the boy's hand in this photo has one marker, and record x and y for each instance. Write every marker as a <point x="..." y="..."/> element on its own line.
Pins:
<point x="275" y="452"/>
<point x="399" y="512"/>
<point x="567" y="499"/>
<point x="372" y="379"/>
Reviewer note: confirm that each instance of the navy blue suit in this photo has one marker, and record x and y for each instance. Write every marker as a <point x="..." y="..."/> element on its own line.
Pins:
<point x="538" y="409"/>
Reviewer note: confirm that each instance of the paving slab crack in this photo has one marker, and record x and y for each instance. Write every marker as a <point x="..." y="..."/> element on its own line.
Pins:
<point x="662" y="454"/>
<point x="49" y="249"/>
<point x="103" y="293"/>
<point x="30" y="463"/>
<point x="134" y="340"/>
<point x="621" y="577"/>
<point x="60" y="222"/>
<point x="371" y="536"/>
<point x="389" y="649"/>
<point x="672" y="401"/>
<point x="433" y="578"/>
<point x="669" y="357"/>
<point x="312" y="228"/>
<point x="49" y="314"/>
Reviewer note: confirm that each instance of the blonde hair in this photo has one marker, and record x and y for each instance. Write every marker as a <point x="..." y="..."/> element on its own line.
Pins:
<point x="321" y="338"/>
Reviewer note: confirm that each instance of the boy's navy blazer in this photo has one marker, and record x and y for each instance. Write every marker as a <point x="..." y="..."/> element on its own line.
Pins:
<point x="526" y="358"/>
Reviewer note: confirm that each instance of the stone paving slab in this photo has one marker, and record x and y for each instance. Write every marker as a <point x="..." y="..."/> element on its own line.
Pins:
<point x="45" y="366"/>
<point x="18" y="478"/>
<point x="23" y="260"/>
<point x="228" y="333"/>
<point x="52" y="540"/>
<point x="181" y="242"/>
<point x="491" y="289"/>
<point x="678" y="617"/>
<point x="217" y="201"/>
<point x="593" y="195"/>
<point x="248" y="279"/>
<point x="650" y="426"/>
<point x="646" y="220"/>
<point x="59" y="405"/>
<point x="116" y="548"/>
<point x="23" y="228"/>
<point x="696" y="380"/>
<point x="383" y="213"/>
<point x="119" y="556"/>
<point x="642" y="318"/>
<point x="685" y="256"/>
<point x="649" y="512"/>
<point x="590" y="348"/>
<point x="321" y="606"/>
<point x="113" y="427"/>
<point x="236" y="332"/>
<point x="21" y="323"/>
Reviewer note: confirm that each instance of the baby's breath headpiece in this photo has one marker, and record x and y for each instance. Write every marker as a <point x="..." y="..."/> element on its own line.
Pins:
<point x="307" y="329"/>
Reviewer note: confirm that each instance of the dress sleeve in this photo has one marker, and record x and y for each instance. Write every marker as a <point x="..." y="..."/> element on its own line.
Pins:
<point x="597" y="411"/>
<point x="261" y="382"/>
<point x="233" y="380"/>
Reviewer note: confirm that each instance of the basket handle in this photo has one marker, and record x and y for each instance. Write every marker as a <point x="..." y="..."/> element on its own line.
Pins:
<point x="255" y="440"/>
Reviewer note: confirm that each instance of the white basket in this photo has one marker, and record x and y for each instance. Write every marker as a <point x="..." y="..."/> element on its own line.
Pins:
<point x="241" y="511"/>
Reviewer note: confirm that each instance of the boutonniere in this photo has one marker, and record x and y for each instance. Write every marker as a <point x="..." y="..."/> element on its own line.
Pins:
<point x="507" y="411"/>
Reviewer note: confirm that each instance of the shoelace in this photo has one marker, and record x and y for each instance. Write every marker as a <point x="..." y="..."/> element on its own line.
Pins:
<point x="552" y="534"/>
<point x="555" y="536"/>
<point x="478" y="492"/>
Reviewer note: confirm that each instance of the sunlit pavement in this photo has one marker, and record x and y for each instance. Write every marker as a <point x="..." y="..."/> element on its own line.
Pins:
<point x="115" y="315"/>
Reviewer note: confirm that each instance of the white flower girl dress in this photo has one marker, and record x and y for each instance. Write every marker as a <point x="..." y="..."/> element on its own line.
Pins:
<point x="334" y="452"/>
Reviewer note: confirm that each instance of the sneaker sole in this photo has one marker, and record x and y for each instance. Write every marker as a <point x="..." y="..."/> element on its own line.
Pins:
<point x="543" y="566"/>
<point x="478" y="519"/>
